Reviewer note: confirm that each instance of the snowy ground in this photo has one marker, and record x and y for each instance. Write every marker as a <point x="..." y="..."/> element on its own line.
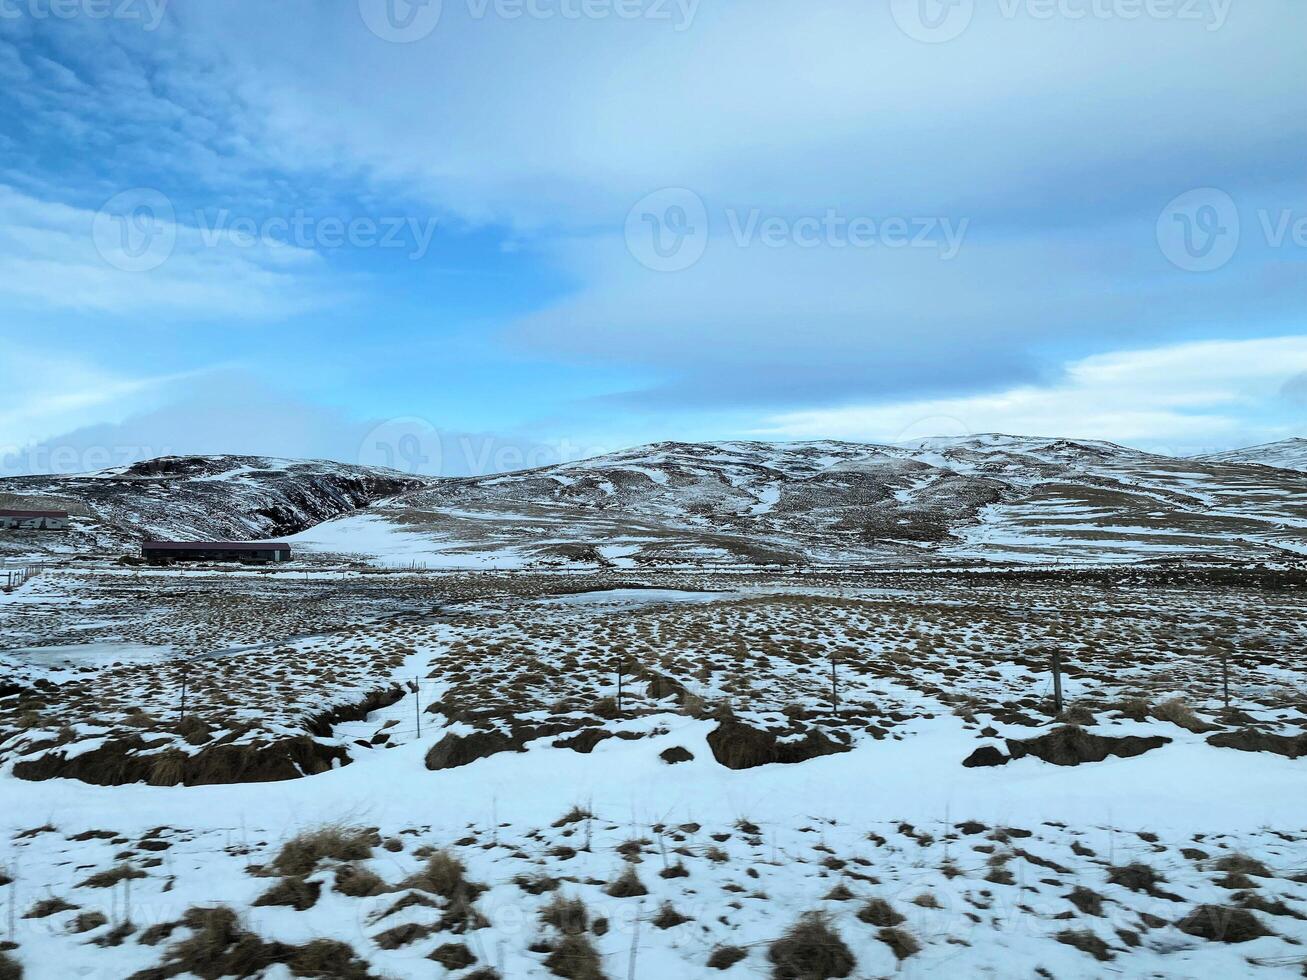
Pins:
<point x="1076" y="871"/>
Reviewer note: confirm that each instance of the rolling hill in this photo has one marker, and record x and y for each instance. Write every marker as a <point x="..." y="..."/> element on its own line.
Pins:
<point x="188" y="497"/>
<point x="992" y="497"/>
<point x="1288" y="454"/>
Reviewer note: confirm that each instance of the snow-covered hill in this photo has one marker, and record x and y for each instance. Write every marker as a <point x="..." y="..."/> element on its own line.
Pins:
<point x="1288" y="454"/>
<point x="998" y="497"/>
<point x="992" y="496"/>
<point x="208" y="497"/>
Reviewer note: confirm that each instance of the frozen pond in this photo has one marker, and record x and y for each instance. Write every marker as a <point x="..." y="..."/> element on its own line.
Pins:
<point x="86" y="655"/>
<point x="632" y="597"/>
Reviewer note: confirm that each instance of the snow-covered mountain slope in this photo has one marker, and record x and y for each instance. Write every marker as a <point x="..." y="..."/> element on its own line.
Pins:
<point x="998" y="497"/>
<point x="1288" y="454"/>
<point x="208" y="497"/>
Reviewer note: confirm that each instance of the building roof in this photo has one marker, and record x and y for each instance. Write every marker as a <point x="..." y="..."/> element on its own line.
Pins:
<point x="216" y="545"/>
<point x="33" y="513"/>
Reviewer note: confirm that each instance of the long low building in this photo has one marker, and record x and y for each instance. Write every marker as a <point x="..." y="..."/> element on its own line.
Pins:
<point x="215" y="551"/>
<point x="33" y="520"/>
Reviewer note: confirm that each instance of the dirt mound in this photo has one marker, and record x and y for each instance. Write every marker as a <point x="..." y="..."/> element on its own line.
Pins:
<point x="453" y="751"/>
<point x="127" y="760"/>
<point x="1250" y="740"/>
<point x="1070" y="746"/>
<point x="583" y="741"/>
<point x="737" y="746"/>
<point x="986" y="755"/>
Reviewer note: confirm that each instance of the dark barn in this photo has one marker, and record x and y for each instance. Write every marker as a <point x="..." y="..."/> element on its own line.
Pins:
<point x="33" y="520"/>
<point x="215" y="551"/>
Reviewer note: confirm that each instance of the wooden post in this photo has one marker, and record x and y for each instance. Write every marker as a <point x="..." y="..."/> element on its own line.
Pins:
<point x="1057" y="680"/>
<point x="185" y="672"/>
<point x="417" y="704"/>
<point x="620" y="667"/>
<point x="1225" y="675"/>
<point x="834" y="685"/>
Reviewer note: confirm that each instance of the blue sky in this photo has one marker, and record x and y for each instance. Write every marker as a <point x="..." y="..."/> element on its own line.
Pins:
<point x="508" y="231"/>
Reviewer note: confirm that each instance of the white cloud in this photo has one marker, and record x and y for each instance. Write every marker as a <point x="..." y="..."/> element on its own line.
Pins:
<point x="47" y="393"/>
<point x="56" y="256"/>
<point x="1182" y="398"/>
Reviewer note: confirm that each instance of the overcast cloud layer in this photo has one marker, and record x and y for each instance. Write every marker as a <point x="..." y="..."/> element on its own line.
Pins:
<point x="271" y="227"/>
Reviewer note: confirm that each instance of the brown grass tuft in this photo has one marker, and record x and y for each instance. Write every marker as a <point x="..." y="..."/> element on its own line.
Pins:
<point x="810" y="950"/>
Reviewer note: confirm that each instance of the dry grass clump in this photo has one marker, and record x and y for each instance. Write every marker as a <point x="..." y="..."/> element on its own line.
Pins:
<point x="1136" y="709"/>
<point x="1086" y="942"/>
<point x="107" y="879"/>
<point x="10" y="968"/>
<point x="575" y="958"/>
<point x="810" y="950"/>
<point x="454" y="956"/>
<point x="725" y="957"/>
<point x="1242" y="864"/>
<point x="48" y="907"/>
<point x="627" y="885"/>
<point x="1139" y="878"/>
<point x="403" y="935"/>
<point x="1088" y="901"/>
<point x="567" y="915"/>
<point x="878" y="912"/>
<point x="901" y="944"/>
<point x="1178" y="712"/>
<point x="294" y="892"/>
<point x="668" y="917"/>
<point x="301" y="854"/>
<point x="359" y="882"/>
<point x="1221" y="924"/>
<point x="444" y="875"/>
<point x="536" y="884"/>
<point x="574" y="815"/>
<point x="219" y="947"/>
<point x="88" y="921"/>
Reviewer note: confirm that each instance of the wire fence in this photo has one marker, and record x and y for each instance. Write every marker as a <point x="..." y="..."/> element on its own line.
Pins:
<point x="14" y="577"/>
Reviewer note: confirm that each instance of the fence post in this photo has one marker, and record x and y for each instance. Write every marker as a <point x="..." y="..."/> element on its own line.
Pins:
<point x="1057" y="680"/>
<point x="834" y="685"/>
<point x="1225" y="675"/>
<point x="417" y="704"/>
<point x="185" y="672"/>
